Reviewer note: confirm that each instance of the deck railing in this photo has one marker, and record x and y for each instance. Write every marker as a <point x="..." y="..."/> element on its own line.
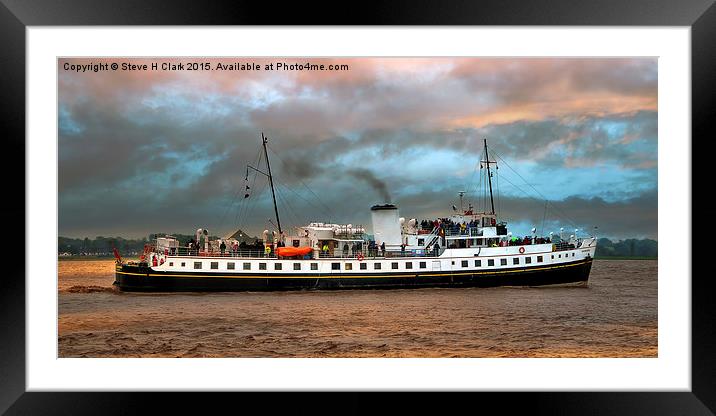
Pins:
<point x="332" y="254"/>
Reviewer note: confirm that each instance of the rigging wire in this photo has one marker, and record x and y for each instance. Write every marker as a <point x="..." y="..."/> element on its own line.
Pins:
<point x="497" y="186"/>
<point x="557" y="210"/>
<point x="329" y="212"/>
<point x="250" y="203"/>
<point x="519" y="189"/>
<point x="300" y="196"/>
<point x="227" y="209"/>
<point x="290" y="212"/>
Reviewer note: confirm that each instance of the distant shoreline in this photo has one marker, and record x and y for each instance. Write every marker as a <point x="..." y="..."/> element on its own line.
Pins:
<point x="80" y="258"/>
<point x="625" y="258"/>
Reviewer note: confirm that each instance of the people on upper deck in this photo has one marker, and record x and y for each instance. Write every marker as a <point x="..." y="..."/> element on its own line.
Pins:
<point x="446" y="225"/>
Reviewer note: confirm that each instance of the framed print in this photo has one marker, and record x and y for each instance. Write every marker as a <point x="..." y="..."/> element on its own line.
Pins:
<point x="128" y="132"/>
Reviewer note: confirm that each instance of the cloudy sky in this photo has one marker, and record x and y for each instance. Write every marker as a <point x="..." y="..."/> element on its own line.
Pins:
<point x="166" y="151"/>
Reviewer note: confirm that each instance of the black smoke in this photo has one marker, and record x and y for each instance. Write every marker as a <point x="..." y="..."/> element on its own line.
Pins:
<point x="368" y="177"/>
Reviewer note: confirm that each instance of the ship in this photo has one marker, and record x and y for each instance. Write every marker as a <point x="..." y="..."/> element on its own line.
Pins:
<point x="462" y="249"/>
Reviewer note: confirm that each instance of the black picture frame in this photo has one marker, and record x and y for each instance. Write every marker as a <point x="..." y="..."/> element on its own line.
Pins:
<point x="16" y="15"/>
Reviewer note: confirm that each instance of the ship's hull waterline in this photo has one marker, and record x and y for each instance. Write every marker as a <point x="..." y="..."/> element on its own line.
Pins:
<point x="144" y="279"/>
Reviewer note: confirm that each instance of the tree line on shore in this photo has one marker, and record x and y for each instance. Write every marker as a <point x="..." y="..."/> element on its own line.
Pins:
<point x="627" y="248"/>
<point x="102" y="246"/>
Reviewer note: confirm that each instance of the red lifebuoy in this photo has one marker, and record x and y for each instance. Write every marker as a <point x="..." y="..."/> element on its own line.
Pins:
<point x="360" y="257"/>
<point x="522" y="250"/>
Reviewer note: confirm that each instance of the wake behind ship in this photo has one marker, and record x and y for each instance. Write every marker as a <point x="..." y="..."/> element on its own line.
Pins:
<point x="462" y="249"/>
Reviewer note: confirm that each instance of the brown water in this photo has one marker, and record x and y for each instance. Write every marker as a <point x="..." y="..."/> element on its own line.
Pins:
<point x="615" y="316"/>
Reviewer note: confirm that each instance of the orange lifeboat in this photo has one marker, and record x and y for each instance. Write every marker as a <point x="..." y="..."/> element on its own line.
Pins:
<point x="293" y="251"/>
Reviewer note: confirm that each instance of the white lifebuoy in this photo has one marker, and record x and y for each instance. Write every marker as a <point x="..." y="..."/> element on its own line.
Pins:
<point x="522" y="250"/>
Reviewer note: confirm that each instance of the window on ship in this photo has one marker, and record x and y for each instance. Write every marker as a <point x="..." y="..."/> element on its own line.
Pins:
<point x="197" y="265"/>
<point x="503" y="262"/>
<point x="491" y="262"/>
<point x="296" y="266"/>
<point x="335" y="266"/>
<point x="247" y="266"/>
<point x="262" y="266"/>
<point x="230" y="265"/>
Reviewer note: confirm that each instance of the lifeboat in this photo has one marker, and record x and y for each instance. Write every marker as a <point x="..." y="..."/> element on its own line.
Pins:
<point x="293" y="251"/>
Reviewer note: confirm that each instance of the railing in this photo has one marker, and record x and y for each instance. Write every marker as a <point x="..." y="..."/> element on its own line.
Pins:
<point x="432" y="237"/>
<point x="428" y="251"/>
<point x="334" y="254"/>
<point x="186" y="251"/>
<point x="468" y="231"/>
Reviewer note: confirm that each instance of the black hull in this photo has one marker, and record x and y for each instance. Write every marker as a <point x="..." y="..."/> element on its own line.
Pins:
<point x="142" y="279"/>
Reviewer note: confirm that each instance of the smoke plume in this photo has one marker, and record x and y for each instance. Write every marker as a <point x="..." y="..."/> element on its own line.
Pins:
<point x="375" y="183"/>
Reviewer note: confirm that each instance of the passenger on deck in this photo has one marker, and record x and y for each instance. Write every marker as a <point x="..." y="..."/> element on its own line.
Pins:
<point x="382" y="248"/>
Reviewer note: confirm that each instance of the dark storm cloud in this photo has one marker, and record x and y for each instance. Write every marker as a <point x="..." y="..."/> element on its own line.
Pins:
<point x="166" y="151"/>
<point x="627" y="139"/>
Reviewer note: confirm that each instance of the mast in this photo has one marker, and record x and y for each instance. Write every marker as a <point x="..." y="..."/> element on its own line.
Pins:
<point x="273" y="194"/>
<point x="489" y="178"/>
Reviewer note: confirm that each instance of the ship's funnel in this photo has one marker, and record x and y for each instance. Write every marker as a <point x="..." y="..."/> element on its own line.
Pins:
<point x="386" y="224"/>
